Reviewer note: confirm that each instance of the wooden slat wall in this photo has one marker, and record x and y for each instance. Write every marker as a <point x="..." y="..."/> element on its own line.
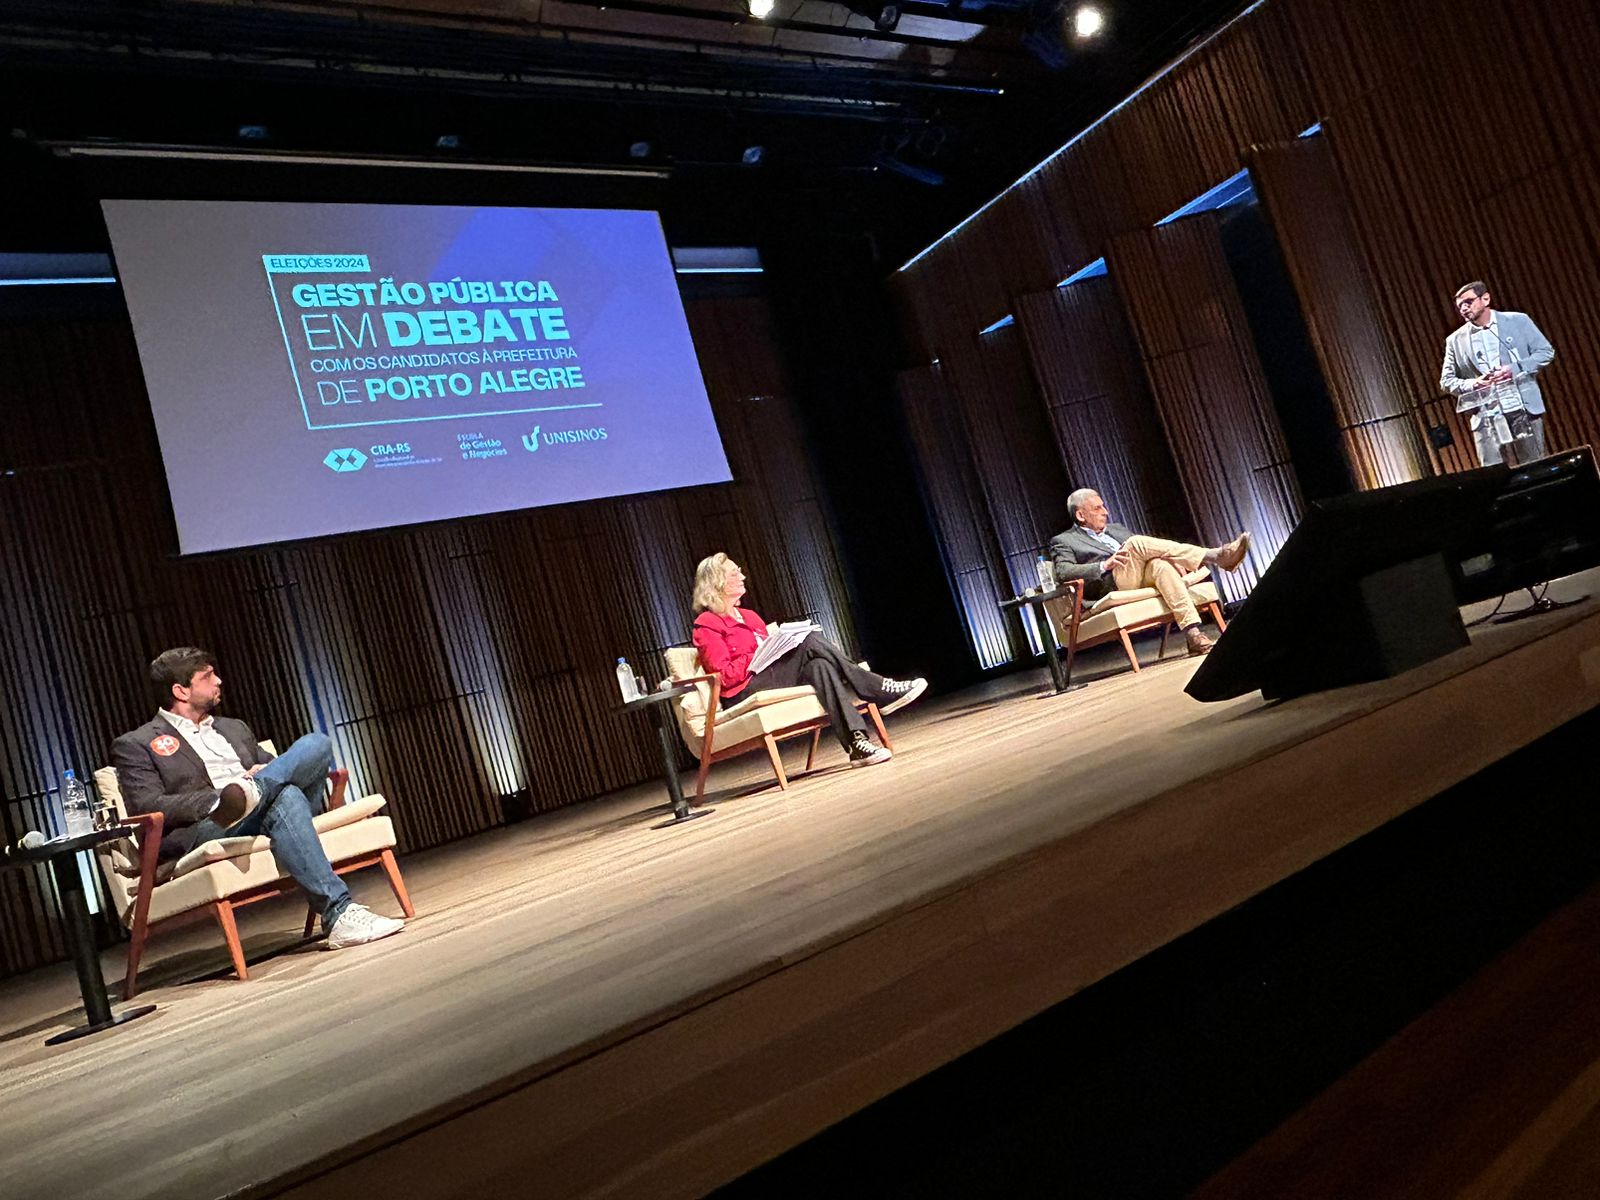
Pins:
<point x="955" y="501"/>
<point x="1012" y="450"/>
<point x="453" y="665"/>
<point x="1206" y="378"/>
<point x="1445" y="188"/>
<point x="1181" y="135"/>
<point x="1403" y="139"/>
<point x="1305" y="200"/>
<point x="1104" y="419"/>
<point x="1437" y="184"/>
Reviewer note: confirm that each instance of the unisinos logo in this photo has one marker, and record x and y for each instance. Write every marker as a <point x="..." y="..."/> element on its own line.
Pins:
<point x="349" y="459"/>
<point x="561" y="437"/>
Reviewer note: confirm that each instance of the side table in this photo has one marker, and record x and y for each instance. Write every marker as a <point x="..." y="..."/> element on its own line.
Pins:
<point x="62" y="855"/>
<point x="658" y="701"/>
<point x="1061" y="678"/>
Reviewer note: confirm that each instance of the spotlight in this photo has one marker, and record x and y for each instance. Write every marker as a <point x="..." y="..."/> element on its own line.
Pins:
<point x="639" y="150"/>
<point x="759" y="8"/>
<point x="753" y="155"/>
<point x="1088" y="21"/>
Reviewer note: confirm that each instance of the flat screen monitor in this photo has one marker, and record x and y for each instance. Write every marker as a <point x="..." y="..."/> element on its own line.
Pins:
<point x="318" y="369"/>
<point x="1342" y="602"/>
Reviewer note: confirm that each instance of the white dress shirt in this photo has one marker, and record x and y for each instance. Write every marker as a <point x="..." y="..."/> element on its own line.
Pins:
<point x="1100" y="535"/>
<point x="1485" y="345"/>
<point x="217" y="753"/>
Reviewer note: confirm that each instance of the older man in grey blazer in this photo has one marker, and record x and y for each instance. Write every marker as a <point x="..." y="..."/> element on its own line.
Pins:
<point x="1490" y="349"/>
<point x="1108" y="557"/>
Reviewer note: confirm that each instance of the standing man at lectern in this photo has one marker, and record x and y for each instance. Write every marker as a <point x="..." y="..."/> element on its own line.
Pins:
<point x="1492" y="349"/>
<point x="1110" y="558"/>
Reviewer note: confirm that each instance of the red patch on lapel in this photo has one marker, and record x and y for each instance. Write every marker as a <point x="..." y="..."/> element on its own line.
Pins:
<point x="166" y="745"/>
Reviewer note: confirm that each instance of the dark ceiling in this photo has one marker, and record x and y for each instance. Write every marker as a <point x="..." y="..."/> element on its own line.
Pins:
<point x="894" y="132"/>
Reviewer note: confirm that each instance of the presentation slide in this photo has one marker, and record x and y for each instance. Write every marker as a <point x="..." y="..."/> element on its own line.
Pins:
<point x="321" y="368"/>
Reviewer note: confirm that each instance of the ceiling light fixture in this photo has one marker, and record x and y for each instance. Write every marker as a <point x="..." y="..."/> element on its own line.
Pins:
<point x="1088" y="21"/>
<point x="759" y="8"/>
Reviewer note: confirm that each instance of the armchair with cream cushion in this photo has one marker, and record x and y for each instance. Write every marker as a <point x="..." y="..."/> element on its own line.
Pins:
<point x="760" y="720"/>
<point x="1117" y="614"/>
<point x="218" y="876"/>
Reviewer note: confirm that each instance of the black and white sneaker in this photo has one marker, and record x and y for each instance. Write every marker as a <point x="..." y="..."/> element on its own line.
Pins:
<point x="864" y="754"/>
<point x="901" y="692"/>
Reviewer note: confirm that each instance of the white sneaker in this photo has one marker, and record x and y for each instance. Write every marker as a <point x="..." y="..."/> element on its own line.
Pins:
<point x="902" y="693"/>
<point x="358" y="925"/>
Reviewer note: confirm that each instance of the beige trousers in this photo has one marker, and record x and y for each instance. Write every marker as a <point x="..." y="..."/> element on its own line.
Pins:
<point x="1162" y="565"/>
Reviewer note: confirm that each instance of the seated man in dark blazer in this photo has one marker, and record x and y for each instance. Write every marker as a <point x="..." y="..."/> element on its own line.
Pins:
<point x="210" y="778"/>
<point x="1110" y="558"/>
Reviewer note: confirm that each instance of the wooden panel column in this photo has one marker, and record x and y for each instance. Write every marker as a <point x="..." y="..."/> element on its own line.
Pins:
<point x="1013" y="451"/>
<point x="1100" y="408"/>
<point x="1305" y="201"/>
<point x="1207" y="381"/>
<point x="960" y="514"/>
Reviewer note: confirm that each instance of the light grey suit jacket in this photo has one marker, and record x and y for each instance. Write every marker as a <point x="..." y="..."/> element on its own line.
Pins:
<point x="1522" y="347"/>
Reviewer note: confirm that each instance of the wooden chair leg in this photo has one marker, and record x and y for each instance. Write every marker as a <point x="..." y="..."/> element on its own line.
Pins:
<point x="876" y="718"/>
<point x="811" y="754"/>
<point x="1215" y="610"/>
<point x="137" y="936"/>
<point x="700" y="779"/>
<point x="1165" y="629"/>
<point x="1127" y="645"/>
<point x="311" y="920"/>
<point x="230" y="934"/>
<point x="396" y="884"/>
<point x="777" y="761"/>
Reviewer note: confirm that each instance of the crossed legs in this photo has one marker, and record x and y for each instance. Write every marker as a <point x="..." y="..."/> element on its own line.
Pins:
<point x="1158" y="563"/>
<point x="287" y="785"/>
<point x="838" y="683"/>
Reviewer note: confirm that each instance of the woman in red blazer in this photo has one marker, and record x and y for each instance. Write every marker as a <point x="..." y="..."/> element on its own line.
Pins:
<point x="727" y="636"/>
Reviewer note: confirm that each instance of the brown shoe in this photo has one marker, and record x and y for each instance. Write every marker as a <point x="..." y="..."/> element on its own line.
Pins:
<point x="1198" y="642"/>
<point x="1230" y="556"/>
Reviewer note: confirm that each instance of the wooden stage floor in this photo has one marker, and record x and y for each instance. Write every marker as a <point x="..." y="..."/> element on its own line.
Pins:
<point x="589" y="1006"/>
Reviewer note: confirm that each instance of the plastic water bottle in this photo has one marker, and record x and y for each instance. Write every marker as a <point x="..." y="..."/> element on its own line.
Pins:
<point x="1047" y="574"/>
<point x="627" y="681"/>
<point x="75" y="806"/>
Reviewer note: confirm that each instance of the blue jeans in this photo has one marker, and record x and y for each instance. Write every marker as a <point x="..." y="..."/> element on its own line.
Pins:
<point x="287" y="785"/>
